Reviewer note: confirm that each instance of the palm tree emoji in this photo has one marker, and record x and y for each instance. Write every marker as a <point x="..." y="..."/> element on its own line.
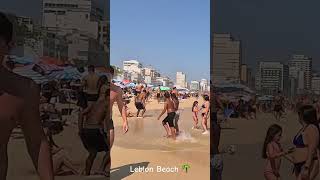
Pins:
<point x="185" y="167"/>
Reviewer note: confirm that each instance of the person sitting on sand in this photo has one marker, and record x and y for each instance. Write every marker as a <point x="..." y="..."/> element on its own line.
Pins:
<point x="169" y="120"/>
<point x="62" y="165"/>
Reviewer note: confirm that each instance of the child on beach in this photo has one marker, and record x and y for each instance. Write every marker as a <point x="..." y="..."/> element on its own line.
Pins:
<point x="195" y="111"/>
<point x="273" y="152"/>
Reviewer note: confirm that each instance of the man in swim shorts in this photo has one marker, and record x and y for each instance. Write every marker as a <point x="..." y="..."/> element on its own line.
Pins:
<point x="169" y="107"/>
<point x="140" y="103"/>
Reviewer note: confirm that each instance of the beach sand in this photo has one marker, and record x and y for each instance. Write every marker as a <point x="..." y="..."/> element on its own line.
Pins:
<point x="142" y="146"/>
<point x="248" y="136"/>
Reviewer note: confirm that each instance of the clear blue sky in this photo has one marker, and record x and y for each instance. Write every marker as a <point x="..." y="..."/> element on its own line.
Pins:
<point x="170" y="35"/>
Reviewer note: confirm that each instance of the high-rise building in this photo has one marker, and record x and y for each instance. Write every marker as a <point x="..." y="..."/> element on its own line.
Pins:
<point x="132" y="66"/>
<point x="300" y="68"/>
<point x="244" y="74"/>
<point x="273" y="77"/>
<point x="316" y="85"/>
<point x="204" y="85"/>
<point x="181" y="79"/>
<point x="82" y="23"/>
<point x="194" y="86"/>
<point x="226" y="62"/>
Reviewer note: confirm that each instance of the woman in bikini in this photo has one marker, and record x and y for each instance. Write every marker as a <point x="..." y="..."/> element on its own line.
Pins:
<point x="204" y="113"/>
<point x="306" y="154"/>
<point x="195" y="111"/>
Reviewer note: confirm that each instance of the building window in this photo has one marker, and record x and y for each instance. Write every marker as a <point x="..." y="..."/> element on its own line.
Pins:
<point x="87" y="16"/>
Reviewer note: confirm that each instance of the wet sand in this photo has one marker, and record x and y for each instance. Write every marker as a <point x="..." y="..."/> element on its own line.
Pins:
<point x="142" y="146"/>
<point x="248" y="136"/>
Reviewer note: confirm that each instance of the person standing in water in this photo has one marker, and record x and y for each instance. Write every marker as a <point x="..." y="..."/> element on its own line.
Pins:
<point x="19" y="105"/>
<point x="140" y="103"/>
<point x="204" y="113"/>
<point x="195" y="111"/>
<point x="169" y="107"/>
<point x="176" y="102"/>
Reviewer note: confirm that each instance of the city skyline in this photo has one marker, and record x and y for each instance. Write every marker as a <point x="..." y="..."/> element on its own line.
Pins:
<point x="181" y="34"/>
<point x="266" y="35"/>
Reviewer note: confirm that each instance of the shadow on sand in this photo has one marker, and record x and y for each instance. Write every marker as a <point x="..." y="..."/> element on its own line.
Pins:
<point x="122" y="172"/>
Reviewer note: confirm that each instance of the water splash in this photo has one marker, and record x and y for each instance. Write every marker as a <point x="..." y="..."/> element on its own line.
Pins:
<point x="185" y="137"/>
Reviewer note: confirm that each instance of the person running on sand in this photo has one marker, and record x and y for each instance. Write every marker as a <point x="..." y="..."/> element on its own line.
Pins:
<point x="176" y="102"/>
<point x="169" y="120"/>
<point x="195" y="110"/>
<point x="273" y="152"/>
<point x="140" y="103"/>
<point x="19" y="102"/>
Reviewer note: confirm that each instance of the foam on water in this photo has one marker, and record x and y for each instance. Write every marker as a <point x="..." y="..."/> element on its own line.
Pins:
<point x="185" y="137"/>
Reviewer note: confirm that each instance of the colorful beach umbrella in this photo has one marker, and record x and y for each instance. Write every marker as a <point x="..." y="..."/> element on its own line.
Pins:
<point x="28" y="72"/>
<point x="164" y="88"/>
<point x="67" y="73"/>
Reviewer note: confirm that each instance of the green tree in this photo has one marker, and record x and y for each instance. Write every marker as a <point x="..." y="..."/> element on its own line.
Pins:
<point x="186" y="167"/>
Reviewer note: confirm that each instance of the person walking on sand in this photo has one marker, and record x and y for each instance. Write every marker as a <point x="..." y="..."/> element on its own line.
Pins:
<point x="19" y="105"/>
<point x="140" y="103"/>
<point x="158" y="94"/>
<point x="90" y="85"/>
<point x="97" y="133"/>
<point x="168" y="122"/>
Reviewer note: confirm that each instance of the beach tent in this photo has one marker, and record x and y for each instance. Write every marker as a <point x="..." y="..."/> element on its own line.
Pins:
<point x="28" y="72"/>
<point x="51" y="60"/>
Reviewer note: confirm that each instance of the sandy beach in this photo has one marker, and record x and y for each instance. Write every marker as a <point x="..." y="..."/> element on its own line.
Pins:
<point x="248" y="136"/>
<point x="142" y="146"/>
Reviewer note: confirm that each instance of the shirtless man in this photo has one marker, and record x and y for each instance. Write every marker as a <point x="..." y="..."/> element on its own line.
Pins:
<point x="90" y="85"/>
<point x="97" y="133"/>
<point x="177" y="116"/>
<point x="20" y="106"/>
<point x="169" y="107"/>
<point x="140" y="103"/>
<point x="158" y="94"/>
<point x="139" y="88"/>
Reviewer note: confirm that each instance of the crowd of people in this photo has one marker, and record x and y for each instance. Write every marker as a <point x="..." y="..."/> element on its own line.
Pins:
<point x="304" y="154"/>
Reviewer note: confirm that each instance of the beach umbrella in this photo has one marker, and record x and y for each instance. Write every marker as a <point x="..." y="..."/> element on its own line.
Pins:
<point x="130" y="85"/>
<point x="28" y="72"/>
<point x="47" y="68"/>
<point x="120" y="85"/>
<point x="164" y="88"/>
<point x="125" y="81"/>
<point x="22" y="60"/>
<point x="68" y="73"/>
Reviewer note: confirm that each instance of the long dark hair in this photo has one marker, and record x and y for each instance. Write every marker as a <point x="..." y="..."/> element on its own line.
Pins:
<point x="308" y="114"/>
<point x="102" y="81"/>
<point x="194" y="104"/>
<point x="273" y="130"/>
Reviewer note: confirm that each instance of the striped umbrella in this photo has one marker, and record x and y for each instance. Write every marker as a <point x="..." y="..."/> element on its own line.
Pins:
<point x="48" y="68"/>
<point x="68" y="73"/>
<point x="28" y="72"/>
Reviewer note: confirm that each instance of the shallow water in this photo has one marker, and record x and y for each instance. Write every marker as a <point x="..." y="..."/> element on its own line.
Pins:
<point x="148" y="134"/>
